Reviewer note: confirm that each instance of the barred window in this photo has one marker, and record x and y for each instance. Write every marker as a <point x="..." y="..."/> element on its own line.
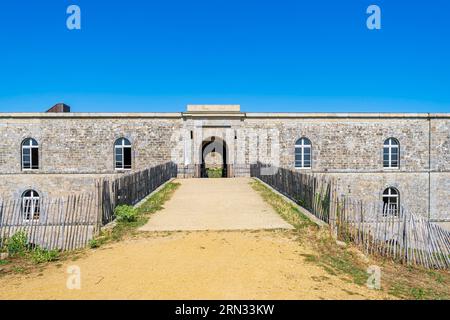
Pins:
<point x="391" y="153"/>
<point x="303" y="153"/>
<point x="30" y="205"/>
<point x="391" y="201"/>
<point x="122" y="154"/>
<point x="30" y="154"/>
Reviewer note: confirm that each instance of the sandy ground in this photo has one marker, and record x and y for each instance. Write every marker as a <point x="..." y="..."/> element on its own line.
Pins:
<point x="191" y="265"/>
<point x="250" y="264"/>
<point x="215" y="204"/>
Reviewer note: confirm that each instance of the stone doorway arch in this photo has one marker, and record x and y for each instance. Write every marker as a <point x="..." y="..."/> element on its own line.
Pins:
<point x="213" y="155"/>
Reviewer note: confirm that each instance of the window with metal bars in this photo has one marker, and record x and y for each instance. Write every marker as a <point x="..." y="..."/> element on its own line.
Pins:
<point x="31" y="208"/>
<point x="30" y="154"/>
<point x="122" y="154"/>
<point x="391" y="201"/>
<point x="391" y="153"/>
<point x="303" y="154"/>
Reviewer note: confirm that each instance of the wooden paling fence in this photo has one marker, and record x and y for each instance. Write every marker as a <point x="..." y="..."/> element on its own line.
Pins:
<point x="131" y="188"/>
<point x="70" y="222"/>
<point x="67" y="223"/>
<point x="312" y="193"/>
<point x="376" y="228"/>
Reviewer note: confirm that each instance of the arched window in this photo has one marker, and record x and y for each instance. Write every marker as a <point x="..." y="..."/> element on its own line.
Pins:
<point x="30" y="154"/>
<point x="303" y="153"/>
<point x="122" y="154"/>
<point x="391" y="201"/>
<point x="391" y="153"/>
<point x="30" y="205"/>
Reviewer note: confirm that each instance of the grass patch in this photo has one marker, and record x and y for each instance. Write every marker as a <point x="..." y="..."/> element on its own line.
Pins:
<point x="409" y="282"/>
<point x="286" y="210"/>
<point x="4" y="262"/>
<point x="41" y="255"/>
<point x="126" y="213"/>
<point x="23" y="257"/>
<point x="400" y="281"/>
<point x="18" y="269"/>
<point x="129" y="227"/>
<point x="33" y="260"/>
<point x="344" y="263"/>
<point x="402" y="290"/>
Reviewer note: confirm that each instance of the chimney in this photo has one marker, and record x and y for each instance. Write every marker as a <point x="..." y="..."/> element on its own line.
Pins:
<point x="59" y="107"/>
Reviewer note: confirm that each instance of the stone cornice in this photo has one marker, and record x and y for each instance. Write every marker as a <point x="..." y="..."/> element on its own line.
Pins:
<point x="75" y="115"/>
<point x="348" y="115"/>
<point x="209" y="114"/>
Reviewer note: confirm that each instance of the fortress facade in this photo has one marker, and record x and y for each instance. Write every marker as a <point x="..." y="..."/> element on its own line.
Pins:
<point x="402" y="158"/>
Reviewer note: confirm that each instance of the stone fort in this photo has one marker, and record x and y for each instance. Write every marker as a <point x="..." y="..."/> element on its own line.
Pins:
<point x="399" y="157"/>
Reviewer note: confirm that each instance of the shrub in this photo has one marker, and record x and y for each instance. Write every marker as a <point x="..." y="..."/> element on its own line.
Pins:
<point x="126" y="213"/>
<point x="40" y="255"/>
<point x="214" y="172"/>
<point x="94" y="243"/>
<point x="17" y="244"/>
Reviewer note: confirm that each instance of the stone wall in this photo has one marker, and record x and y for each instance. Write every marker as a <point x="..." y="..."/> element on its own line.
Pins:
<point x="351" y="145"/>
<point x="49" y="185"/>
<point x="85" y="145"/>
<point x="351" y="151"/>
<point x="440" y="145"/>
<point x="75" y="150"/>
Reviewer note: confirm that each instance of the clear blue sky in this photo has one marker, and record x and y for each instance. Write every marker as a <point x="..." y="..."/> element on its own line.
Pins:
<point x="277" y="55"/>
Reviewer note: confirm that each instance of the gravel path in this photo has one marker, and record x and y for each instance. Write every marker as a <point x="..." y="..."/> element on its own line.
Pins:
<point x="215" y="204"/>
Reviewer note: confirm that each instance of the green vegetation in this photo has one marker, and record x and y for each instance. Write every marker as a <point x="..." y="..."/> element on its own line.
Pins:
<point x="3" y="262"/>
<point x="341" y="261"/>
<point x="126" y="213"/>
<point x="39" y="255"/>
<point x="129" y="227"/>
<point x="402" y="290"/>
<point x="214" y="172"/>
<point x="94" y="243"/>
<point x="18" y="269"/>
<point x="21" y="252"/>
<point x="400" y="281"/>
<point x="334" y="259"/>
<point x="286" y="210"/>
<point x="17" y="245"/>
<point x="24" y="258"/>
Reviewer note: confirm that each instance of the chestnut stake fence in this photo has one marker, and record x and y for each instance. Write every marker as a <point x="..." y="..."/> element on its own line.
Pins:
<point x="69" y="223"/>
<point x="132" y="188"/>
<point x="375" y="228"/>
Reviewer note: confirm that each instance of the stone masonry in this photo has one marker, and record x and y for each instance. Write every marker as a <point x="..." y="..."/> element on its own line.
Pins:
<point x="75" y="149"/>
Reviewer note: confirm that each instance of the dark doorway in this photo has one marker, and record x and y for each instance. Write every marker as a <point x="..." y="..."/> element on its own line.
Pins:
<point x="213" y="158"/>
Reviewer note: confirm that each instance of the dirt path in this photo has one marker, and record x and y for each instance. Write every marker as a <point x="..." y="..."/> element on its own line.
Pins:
<point x="215" y="204"/>
<point x="191" y="265"/>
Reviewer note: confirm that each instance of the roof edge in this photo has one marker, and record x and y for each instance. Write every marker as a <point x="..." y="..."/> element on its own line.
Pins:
<point x="250" y="115"/>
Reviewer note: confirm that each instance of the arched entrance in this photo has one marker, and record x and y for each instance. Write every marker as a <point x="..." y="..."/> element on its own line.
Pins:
<point x="213" y="158"/>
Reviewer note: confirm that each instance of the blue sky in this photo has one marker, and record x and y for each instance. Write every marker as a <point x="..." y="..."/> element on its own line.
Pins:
<point x="277" y="55"/>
